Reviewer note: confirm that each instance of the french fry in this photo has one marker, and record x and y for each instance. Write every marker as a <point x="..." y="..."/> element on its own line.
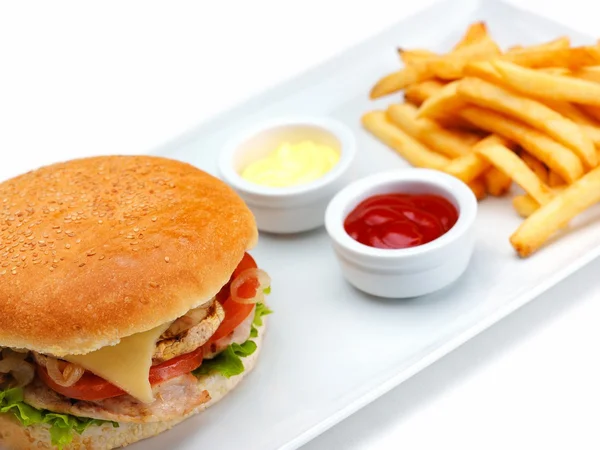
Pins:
<point x="415" y="56"/>
<point x="555" y="70"/>
<point x="560" y="42"/>
<point x="570" y="58"/>
<point x="497" y="183"/>
<point x="593" y="133"/>
<point x="551" y="217"/>
<point x="589" y="125"/>
<point x="593" y="111"/>
<point x="484" y="70"/>
<point x="440" y="104"/>
<point x="478" y="188"/>
<point x="554" y="179"/>
<point x="525" y="205"/>
<point x="547" y="86"/>
<point x="419" y="92"/>
<point x="414" y="152"/>
<point x="469" y="138"/>
<point x="571" y="112"/>
<point x="477" y="31"/>
<point x="556" y="156"/>
<point x="441" y="140"/>
<point x="531" y="112"/>
<point x="540" y="170"/>
<point x="396" y="81"/>
<point x="450" y="66"/>
<point x="588" y="73"/>
<point x="510" y="164"/>
<point x="469" y="167"/>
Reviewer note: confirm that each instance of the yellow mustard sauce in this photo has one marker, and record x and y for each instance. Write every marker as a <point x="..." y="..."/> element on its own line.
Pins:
<point x="292" y="164"/>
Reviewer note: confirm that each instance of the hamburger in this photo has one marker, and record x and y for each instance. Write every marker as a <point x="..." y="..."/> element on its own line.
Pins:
<point x="128" y="300"/>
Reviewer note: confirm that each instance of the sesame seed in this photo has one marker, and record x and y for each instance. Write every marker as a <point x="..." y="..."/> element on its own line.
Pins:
<point x="82" y="264"/>
<point x="67" y="245"/>
<point x="154" y="218"/>
<point x="101" y="257"/>
<point x="167" y="259"/>
<point x="153" y="284"/>
<point x="91" y="252"/>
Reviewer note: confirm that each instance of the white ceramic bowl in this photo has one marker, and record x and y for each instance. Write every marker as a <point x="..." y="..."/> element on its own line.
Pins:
<point x="409" y="272"/>
<point x="290" y="209"/>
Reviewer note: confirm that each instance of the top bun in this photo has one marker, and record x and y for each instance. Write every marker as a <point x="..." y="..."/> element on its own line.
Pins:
<point x="97" y="249"/>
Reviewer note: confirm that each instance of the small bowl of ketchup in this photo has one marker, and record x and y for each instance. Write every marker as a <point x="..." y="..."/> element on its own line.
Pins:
<point x="403" y="233"/>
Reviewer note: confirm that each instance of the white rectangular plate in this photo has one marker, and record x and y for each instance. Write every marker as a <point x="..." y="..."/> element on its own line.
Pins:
<point x="329" y="349"/>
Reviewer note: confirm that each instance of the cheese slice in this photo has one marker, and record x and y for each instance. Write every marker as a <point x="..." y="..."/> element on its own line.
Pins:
<point x="127" y="364"/>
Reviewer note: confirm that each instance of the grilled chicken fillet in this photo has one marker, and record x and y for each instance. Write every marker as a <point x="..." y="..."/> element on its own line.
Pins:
<point x="193" y="337"/>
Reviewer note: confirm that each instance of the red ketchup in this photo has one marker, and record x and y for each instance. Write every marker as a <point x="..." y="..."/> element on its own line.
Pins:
<point x="395" y="221"/>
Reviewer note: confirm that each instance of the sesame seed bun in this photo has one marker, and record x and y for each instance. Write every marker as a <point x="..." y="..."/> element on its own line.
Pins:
<point x="96" y="249"/>
<point x="15" y="436"/>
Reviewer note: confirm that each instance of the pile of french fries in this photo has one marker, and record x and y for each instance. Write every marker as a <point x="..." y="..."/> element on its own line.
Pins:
<point x="525" y="115"/>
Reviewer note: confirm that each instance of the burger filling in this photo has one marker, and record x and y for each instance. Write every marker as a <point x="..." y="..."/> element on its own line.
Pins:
<point x="148" y="377"/>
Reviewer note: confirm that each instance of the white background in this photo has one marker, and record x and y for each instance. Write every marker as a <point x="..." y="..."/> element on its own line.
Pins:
<point x="80" y="78"/>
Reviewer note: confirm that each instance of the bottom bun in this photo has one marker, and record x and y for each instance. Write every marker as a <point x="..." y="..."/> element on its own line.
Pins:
<point x="14" y="436"/>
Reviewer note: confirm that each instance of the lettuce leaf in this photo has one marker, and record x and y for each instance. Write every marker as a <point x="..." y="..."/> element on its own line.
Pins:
<point x="229" y="362"/>
<point x="62" y="426"/>
<point x="260" y="311"/>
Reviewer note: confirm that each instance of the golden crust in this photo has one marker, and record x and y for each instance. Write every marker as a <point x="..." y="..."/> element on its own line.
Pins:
<point x="14" y="436"/>
<point x="96" y="249"/>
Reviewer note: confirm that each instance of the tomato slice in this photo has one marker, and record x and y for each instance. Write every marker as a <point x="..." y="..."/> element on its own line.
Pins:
<point x="179" y="365"/>
<point x="247" y="262"/>
<point x="236" y="313"/>
<point x="91" y="387"/>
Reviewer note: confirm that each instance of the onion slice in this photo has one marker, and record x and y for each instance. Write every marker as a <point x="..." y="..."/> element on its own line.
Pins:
<point x="62" y="373"/>
<point x="264" y="282"/>
<point x="14" y="363"/>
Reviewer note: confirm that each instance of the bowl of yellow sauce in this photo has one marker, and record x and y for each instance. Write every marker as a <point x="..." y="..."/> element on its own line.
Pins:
<point x="287" y="170"/>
